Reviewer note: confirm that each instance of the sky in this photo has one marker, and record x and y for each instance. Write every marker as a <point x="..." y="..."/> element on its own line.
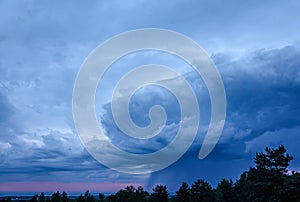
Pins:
<point x="255" y="45"/>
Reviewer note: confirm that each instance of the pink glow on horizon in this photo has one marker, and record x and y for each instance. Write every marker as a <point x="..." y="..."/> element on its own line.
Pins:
<point x="64" y="186"/>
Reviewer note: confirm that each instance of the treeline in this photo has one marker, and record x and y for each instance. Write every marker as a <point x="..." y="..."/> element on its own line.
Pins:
<point x="269" y="180"/>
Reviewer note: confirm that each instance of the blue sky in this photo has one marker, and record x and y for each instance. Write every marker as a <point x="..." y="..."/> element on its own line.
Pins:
<point x="255" y="45"/>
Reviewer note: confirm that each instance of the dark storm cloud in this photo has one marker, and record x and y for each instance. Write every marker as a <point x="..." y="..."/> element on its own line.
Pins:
<point x="263" y="93"/>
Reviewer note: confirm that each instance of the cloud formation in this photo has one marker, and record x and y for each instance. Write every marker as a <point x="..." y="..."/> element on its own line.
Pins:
<point x="263" y="102"/>
<point x="43" y="44"/>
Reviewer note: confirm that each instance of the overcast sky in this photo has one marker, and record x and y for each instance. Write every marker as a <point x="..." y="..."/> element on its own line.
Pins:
<point x="254" y="44"/>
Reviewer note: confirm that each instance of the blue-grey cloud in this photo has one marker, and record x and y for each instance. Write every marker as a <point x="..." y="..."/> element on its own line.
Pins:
<point x="263" y="98"/>
<point x="263" y="101"/>
<point x="6" y="109"/>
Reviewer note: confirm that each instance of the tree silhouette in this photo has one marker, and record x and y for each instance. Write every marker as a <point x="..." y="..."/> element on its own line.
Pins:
<point x="224" y="191"/>
<point x="267" y="181"/>
<point x="42" y="197"/>
<point x="87" y="197"/>
<point x="56" y="197"/>
<point x="291" y="191"/>
<point x="131" y="194"/>
<point x="183" y="194"/>
<point x="141" y="195"/>
<point x="64" y="197"/>
<point x="101" y="197"/>
<point x="34" y="198"/>
<point x="160" y="194"/>
<point x="202" y="191"/>
<point x="273" y="159"/>
<point x="80" y="198"/>
<point x="111" y="198"/>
